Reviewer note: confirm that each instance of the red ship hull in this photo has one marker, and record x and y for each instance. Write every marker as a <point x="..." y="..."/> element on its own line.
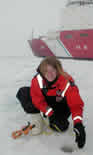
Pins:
<point x="70" y="44"/>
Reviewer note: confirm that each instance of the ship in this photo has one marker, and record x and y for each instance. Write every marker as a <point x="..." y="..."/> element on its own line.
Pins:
<point x="74" y="38"/>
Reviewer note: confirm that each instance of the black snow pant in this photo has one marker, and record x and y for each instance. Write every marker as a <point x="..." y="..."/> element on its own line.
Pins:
<point x="23" y="95"/>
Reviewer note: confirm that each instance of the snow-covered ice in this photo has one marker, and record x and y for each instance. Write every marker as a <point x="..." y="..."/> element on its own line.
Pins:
<point x="16" y="72"/>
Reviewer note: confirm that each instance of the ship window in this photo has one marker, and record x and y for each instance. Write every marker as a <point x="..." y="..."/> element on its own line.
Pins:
<point x="84" y="34"/>
<point x="68" y="36"/>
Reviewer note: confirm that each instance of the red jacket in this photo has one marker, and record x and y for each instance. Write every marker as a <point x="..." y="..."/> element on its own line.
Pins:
<point x="72" y="95"/>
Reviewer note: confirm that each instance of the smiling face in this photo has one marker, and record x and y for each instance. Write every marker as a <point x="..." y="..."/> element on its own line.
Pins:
<point x="50" y="68"/>
<point x="50" y="73"/>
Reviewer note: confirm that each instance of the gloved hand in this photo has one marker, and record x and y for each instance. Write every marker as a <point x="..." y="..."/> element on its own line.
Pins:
<point x="80" y="134"/>
<point x="58" y="124"/>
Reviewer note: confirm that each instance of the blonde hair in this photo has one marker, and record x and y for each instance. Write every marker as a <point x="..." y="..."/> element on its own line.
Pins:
<point x="55" y="63"/>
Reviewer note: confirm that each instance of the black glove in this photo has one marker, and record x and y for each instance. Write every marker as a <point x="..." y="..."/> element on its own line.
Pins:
<point x="80" y="134"/>
<point x="58" y="124"/>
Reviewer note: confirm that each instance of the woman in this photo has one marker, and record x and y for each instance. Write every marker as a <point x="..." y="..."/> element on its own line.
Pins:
<point x="54" y="93"/>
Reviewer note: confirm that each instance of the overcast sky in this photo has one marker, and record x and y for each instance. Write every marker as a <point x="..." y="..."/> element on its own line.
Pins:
<point x="19" y="17"/>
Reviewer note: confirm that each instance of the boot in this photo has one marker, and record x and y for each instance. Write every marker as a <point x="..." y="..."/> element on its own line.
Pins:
<point x="36" y="119"/>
